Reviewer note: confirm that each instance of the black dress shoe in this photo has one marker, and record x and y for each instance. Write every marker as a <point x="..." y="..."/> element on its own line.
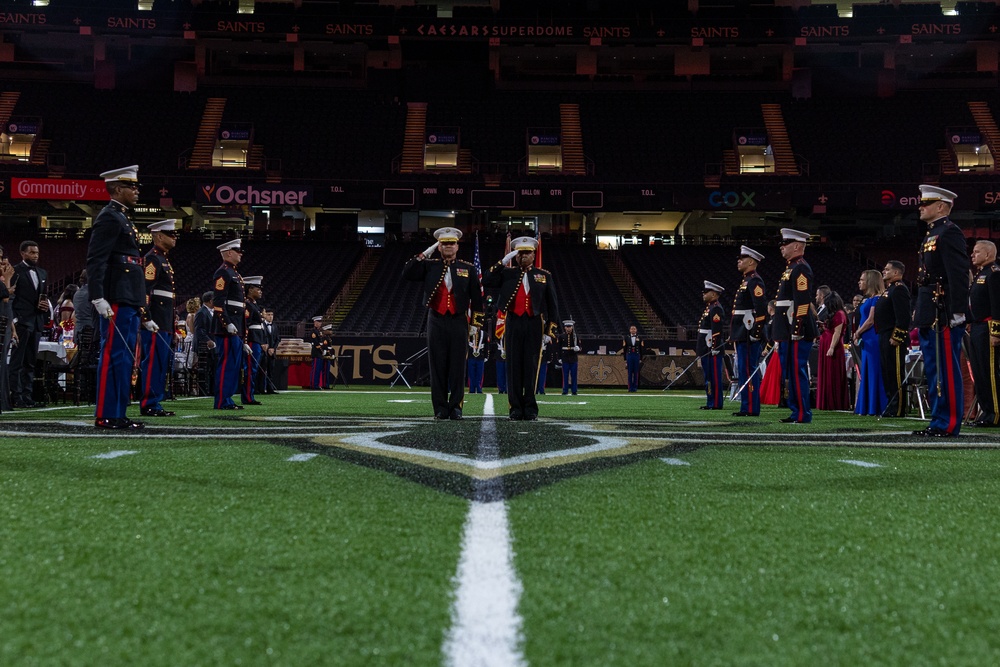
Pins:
<point x="530" y="418"/>
<point x="741" y="414"/>
<point x="515" y="416"/>
<point x="252" y="403"/>
<point x="705" y="407"/>
<point x="932" y="432"/>
<point x="455" y="414"/>
<point x="982" y="424"/>
<point x="118" y="424"/>
<point x="441" y="415"/>
<point x="231" y="407"/>
<point x="150" y="412"/>
<point x="787" y="420"/>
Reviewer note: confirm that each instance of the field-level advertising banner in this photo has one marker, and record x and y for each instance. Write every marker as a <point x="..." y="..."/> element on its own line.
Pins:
<point x="374" y="360"/>
<point x="254" y="194"/>
<point x="62" y="189"/>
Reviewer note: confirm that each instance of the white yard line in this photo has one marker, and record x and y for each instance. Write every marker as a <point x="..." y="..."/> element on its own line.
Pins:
<point x="862" y="464"/>
<point x="297" y="458"/>
<point x="675" y="462"/>
<point x="486" y="626"/>
<point x="115" y="454"/>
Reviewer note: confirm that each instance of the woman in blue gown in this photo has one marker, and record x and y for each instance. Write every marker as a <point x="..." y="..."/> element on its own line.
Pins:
<point x="871" y="392"/>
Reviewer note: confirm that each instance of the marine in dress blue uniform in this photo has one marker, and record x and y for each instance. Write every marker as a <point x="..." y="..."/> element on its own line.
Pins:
<point x="632" y="347"/>
<point x="710" y="345"/>
<point x="569" y="348"/>
<point x="984" y="333"/>
<point x="118" y="292"/>
<point x="453" y="297"/>
<point x="747" y="330"/>
<point x="157" y="342"/>
<point x="892" y="324"/>
<point x="528" y="300"/>
<point x="255" y="339"/>
<point x="319" y="377"/>
<point x="229" y="325"/>
<point x="794" y="326"/>
<point x="942" y="301"/>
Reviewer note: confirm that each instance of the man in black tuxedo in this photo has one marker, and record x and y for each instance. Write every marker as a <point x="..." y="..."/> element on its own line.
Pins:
<point x="204" y="343"/>
<point x="31" y="313"/>
<point x="265" y="379"/>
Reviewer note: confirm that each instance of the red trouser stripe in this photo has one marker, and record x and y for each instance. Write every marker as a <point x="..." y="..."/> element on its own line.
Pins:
<point x="102" y="381"/>
<point x="219" y="398"/>
<point x="798" y="376"/>
<point x="149" y="370"/>
<point x="950" y="374"/>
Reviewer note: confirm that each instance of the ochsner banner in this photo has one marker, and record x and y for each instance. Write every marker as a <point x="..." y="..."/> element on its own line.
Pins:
<point x="63" y="189"/>
<point x="264" y="194"/>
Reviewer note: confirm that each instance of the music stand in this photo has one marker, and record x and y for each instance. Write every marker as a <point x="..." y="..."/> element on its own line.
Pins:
<point x="410" y="361"/>
<point x="340" y="372"/>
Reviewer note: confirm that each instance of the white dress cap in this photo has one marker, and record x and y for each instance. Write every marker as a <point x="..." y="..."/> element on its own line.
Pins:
<point x="127" y="174"/>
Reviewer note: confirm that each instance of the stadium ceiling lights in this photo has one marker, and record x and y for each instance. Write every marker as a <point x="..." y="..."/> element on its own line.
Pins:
<point x="40" y="3"/>
<point x="144" y="5"/>
<point x="245" y="7"/>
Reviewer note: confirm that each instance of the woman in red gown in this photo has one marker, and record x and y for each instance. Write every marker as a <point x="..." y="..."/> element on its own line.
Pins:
<point x="770" y="386"/>
<point x="831" y="377"/>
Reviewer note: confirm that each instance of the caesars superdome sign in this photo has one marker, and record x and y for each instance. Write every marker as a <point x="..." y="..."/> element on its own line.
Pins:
<point x="228" y="194"/>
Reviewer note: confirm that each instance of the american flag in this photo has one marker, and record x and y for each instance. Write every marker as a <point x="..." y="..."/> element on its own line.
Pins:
<point x="477" y="264"/>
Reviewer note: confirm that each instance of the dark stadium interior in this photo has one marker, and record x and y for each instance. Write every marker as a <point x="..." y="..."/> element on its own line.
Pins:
<point x="872" y="96"/>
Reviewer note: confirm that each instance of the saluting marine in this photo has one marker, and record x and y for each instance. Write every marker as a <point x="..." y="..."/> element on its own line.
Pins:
<point x="747" y="330"/>
<point x="157" y="345"/>
<point x="794" y="326"/>
<point x="710" y="343"/>
<point x="451" y="290"/>
<point x="528" y="301"/>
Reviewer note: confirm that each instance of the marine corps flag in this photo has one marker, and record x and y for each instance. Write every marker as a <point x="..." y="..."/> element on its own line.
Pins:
<point x="501" y="325"/>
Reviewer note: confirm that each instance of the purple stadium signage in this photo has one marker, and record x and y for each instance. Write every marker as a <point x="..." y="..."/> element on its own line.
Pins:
<point x="263" y="194"/>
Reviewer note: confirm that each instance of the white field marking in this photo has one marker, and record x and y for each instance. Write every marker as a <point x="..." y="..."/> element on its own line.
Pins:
<point x="304" y="456"/>
<point x="562" y="402"/>
<point x="189" y="416"/>
<point x="862" y="464"/>
<point x="486" y="627"/>
<point x="115" y="454"/>
<point x="73" y="423"/>
<point x="401" y="400"/>
<point x="675" y="462"/>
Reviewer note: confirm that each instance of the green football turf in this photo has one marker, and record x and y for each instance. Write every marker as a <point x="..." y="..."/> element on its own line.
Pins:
<point x="208" y="546"/>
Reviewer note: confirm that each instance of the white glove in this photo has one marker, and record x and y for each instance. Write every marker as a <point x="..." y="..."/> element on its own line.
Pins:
<point x="103" y="308"/>
<point x="748" y="321"/>
<point x="473" y="330"/>
<point x="151" y="326"/>
<point x="508" y="257"/>
<point x="576" y="348"/>
<point x="247" y="349"/>
<point x="231" y="328"/>
<point x="430" y="251"/>
<point x="796" y="337"/>
<point x="547" y="339"/>
<point x="715" y="351"/>
<point x="957" y="320"/>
